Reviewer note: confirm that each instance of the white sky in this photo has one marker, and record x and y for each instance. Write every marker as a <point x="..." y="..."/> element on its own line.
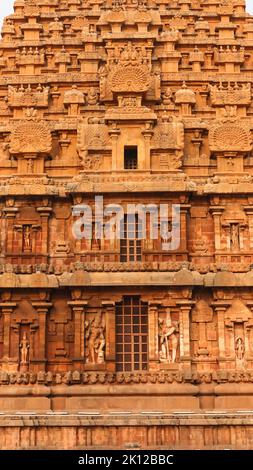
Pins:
<point x="6" y="8"/>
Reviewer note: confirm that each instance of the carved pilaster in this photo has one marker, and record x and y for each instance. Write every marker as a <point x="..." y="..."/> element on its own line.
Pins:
<point x="78" y="308"/>
<point x="184" y="331"/>
<point x="42" y="309"/>
<point x="10" y="216"/>
<point x="8" y="363"/>
<point x="153" y="334"/>
<point x="45" y="213"/>
<point x="184" y="210"/>
<point x="217" y="212"/>
<point x="114" y="134"/>
<point x="249" y="212"/>
<point x="110" y="323"/>
<point x="147" y="134"/>
<point x="220" y="308"/>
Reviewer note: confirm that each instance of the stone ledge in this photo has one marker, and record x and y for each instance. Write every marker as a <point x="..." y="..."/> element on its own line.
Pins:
<point x="95" y="378"/>
<point x="108" y="420"/>
<point x="80" y="278"/>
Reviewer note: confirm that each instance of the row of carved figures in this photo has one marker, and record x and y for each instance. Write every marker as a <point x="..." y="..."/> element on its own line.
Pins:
<point x="95" y="342"/>
<point x="94" y="339"/>
<point x="224" y="331"/>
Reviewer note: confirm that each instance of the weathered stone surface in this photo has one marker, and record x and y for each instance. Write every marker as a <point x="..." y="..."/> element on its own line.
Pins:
<point x="141" y="102"/>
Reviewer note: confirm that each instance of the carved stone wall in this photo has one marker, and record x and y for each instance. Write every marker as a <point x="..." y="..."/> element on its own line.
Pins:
<point x="81" y="83"/>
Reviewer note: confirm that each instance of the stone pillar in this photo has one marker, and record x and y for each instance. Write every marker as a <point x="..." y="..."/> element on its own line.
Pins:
<point x="78" y="308"/>
<point x="220" y="309"/>
<point x="197" y="141"/>
<point x="110" y="327"/>
<point x="248" y="333"/>
<point x="246" y="330"/>
<point x="7" y="310"/>
<point x="114" y="134"/>
<point x="153" y="334"/>
<point x="40" y="358"/>
<point x="10" y="215"/>
<point x="184" y="332"/>
<point x="147" y="134"/>
<point x="217" y="212"/>
<point x="249" y="212"/>
<point x="45" y="213"/>
<point x="184" y="208"/>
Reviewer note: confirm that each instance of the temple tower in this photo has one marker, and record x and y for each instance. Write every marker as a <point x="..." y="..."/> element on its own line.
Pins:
<point x="130" y="121"/>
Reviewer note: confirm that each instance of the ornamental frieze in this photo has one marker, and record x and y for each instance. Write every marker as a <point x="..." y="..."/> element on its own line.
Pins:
<point x="233" y="95"/>
<point x="28" y="97"/>
<point x="74" y="377"/>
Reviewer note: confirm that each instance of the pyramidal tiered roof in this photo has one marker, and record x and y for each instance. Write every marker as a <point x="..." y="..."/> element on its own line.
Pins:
<point x="67" y="66"/>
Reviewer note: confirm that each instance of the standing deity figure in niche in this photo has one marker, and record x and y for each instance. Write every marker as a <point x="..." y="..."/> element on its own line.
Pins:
<point x="239" y="348"/>
<point x="24" y="349"/>
<point x="95" y="340"/>
<point x="27" y="242"/>
<point x="165" y="230"/>
<point x="30" y="166"/>
<point x="168" y="339"/>
<point x="235" y="237"/>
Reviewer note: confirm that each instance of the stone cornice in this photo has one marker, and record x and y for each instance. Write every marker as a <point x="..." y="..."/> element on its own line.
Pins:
<point x="179" y="279"/>
<point x="166" y="382"/>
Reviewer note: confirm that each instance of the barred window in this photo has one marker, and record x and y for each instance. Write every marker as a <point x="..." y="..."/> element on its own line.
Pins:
<point x="131" y="158"/>
<point x="130" y="245"/>
<point x="131" y="335"/>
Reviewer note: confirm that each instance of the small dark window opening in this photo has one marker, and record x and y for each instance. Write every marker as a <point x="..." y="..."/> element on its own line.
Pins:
<point x="131" y="158"/>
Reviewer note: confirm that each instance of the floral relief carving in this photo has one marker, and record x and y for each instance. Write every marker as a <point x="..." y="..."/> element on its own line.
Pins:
<point x="230" y="136"/>
<point x="31" y="137"/>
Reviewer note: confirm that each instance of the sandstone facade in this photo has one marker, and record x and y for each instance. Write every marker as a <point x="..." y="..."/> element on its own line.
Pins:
<point x="138" y="101"/>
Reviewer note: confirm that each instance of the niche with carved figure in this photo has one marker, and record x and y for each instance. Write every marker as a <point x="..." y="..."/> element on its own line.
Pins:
<point x="234" y="227"/>
<point x="238" y="335"/>
<point x="168" y="341"/>
<point x="27" y="231"/>
<point x="94" y="339"/>
<point x="24" y="336"/>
